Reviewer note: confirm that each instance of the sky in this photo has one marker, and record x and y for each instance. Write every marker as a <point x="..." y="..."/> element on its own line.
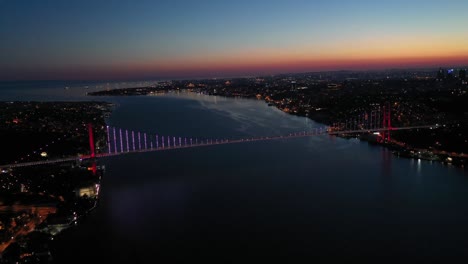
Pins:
<point x="112" y="39"/>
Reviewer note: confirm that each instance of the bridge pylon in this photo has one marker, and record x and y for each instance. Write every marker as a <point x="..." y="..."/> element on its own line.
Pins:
<point x="91" y="141"/>
<point x="387" y="123"/>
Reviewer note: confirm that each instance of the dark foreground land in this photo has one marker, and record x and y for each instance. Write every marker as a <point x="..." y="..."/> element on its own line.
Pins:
<point x="56" y="128"/>
<point x="37" y="203"/>
<point x="338" y="98"/>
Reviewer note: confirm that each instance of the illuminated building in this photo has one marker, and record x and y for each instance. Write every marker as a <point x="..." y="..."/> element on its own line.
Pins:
<point x="293" y="85"/>
<point x="90" y="190"/>
<point x="450" y="74"/>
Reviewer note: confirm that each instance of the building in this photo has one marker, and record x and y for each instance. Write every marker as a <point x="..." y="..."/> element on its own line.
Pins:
<point x="450" y="74"/>
<point x="293" y="85"/>
<point x="90" y="190"/>
<point x="441" y="74"/>
<point x="462" y="74"/>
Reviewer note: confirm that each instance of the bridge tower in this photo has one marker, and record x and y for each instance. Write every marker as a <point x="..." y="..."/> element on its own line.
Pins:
<point x="387" y="123"/>
<point x="91" y="140"/>
<point x="384" y="123"/>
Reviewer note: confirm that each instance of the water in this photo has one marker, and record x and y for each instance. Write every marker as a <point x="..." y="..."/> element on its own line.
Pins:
<point x="278" y="200"/>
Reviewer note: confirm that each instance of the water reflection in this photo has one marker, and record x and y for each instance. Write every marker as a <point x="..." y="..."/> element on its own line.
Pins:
<point x="141" y="209"/>
<point x="332" y="196"/>
<point x="387" y="157"/>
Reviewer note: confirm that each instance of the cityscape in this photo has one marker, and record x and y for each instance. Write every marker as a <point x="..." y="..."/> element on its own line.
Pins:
<point x="416" y="97"/>
<point x="222" y="136"/>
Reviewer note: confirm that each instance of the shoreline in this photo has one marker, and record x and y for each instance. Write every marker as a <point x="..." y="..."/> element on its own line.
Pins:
<point x="45" y="200"/>
<point x="399" y="149"/>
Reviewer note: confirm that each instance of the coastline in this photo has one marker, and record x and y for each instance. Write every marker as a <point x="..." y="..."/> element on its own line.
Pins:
<point x="46" y="200"/>
<point x="399" y="149"/>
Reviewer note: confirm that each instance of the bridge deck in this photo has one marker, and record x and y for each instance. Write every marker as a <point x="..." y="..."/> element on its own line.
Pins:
<point x="221" y="142"/>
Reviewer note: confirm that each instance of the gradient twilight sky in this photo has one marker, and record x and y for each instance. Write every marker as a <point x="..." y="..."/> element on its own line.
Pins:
<point x="94" y="39"/>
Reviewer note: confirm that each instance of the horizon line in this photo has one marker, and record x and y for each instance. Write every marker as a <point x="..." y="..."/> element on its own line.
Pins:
<point x="234" y="76"/>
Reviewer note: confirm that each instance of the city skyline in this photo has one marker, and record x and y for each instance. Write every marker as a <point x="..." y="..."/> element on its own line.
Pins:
<point x="84" y="40"/>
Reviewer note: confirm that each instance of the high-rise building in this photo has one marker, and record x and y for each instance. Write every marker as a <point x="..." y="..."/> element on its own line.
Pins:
<point x="293" y="85"/>
<point x="441" y="74"/>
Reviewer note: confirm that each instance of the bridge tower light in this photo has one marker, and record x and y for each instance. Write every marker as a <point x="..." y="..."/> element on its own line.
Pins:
<point x="115" y="140"/>
<point x="384" y="123"/>
<point x="108" y="140"/>
<point x="91" y="140"/>
<point x="121" y="141"/>
<point x="139" y="141"/>
<point x="126" y="137"/>
<point x="389" y="123"/>
<point x="146" y="146"/>
<point x="133" y="140"/>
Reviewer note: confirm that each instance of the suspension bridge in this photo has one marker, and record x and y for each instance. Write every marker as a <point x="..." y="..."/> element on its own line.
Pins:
<point x="123" y="141"/>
